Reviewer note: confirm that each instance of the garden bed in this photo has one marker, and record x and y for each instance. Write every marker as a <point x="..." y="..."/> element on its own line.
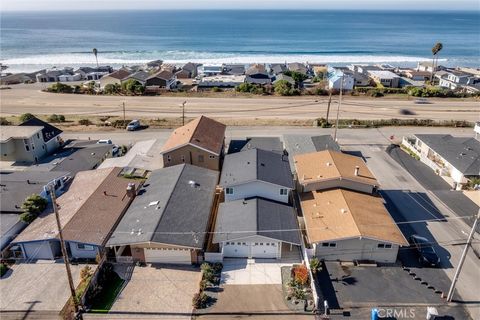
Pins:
<point x="209" y="285"/>
<point x="296" y="288"/>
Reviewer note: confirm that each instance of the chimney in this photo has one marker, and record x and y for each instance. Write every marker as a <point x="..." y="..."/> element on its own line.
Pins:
<point x="356" y="170"/>
<point x="131" y="190"/>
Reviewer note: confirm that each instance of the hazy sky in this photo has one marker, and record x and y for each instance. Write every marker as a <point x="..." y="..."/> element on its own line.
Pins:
<point x="48" y="5"/>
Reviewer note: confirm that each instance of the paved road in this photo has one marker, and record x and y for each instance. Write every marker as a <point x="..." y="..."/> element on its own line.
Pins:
<point x="29" y="98"/>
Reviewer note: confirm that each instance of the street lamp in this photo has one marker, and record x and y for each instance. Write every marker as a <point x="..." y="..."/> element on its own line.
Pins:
<point x="183" y="112"/>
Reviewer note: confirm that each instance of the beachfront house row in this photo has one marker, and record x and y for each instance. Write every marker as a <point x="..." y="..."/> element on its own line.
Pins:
<point x="350" y="226"/>
<point x="332" y="169"/>
<point x="115" y="77"/>
<point x="257" y="74"/>
<point x="221" y="81"/>
<point x="256" y="173"/>
<point x="200" y="142"/>
<point x="88" y="211"/>
<point x="29" y="142"/>
<point x="169" y="220"/>
<point x="256" y="228"/>
<point x="455" y="159"/>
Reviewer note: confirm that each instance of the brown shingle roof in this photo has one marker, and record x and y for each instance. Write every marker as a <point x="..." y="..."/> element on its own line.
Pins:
<point x="328" y="165"/>
<point x="98" y="216"/>
<point x="338" y="214"/>
<point x="119" y="74"/>
<point x="162" y="74"/>
<point x="202" y="132"/>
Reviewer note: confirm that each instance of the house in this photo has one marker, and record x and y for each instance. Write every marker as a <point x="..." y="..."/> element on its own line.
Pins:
<point x="257" y="74"/>
<point x="336" y="76"/>
<point x="50" y="133"/>
<point x="256" y="173"/>
<point x="143" y="155"/>
<point x="88" y="212"/>
<point x="233" y="69"/>
<point x="154" y="64"/>
<point x="428" y="67"/>
<point x="221" y="81"/>
<point x="54" y="74"/>
<point x="163" y="79"/>
<point x="199" y="142"/>
<point x="256" y="228"/>
<point x="350" y="226"/>
<point x="89" y="73"/>
<point x="363" y="68"/>
<point x="265" y="143"/>
<point x="70" y="77"/>
<point x="332" y="169"/>
<point x="28" y="142"/>
<point x="319" y="70"/>
<point x="455" y="79"/>
<point x="456" y="159"/>
<point x="169" y="220"/>
<point x="115" y="77"/>
<point x="75" y="157"/>
<point x="278" y="68"/>
<point x="297" y="67"/>
<point x="16" y="78"/>
<point x="210" y="70"/>
<point x="300" y="144"/>
<point x="385" y="78"/>
<point x="16" y="186"/>
<point x="283" y="77"/>
<point x="417" y="75"/>
<point x="140" y="76"/>
<point x="189" y="70"/>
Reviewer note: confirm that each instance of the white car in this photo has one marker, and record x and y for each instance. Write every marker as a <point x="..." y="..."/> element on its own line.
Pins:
<point x="133" y="125"/>
<point x="104" y="141"/>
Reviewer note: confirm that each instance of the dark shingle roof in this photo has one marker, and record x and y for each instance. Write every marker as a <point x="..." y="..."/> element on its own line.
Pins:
<point x="265" y="143"/>
<point x="300" y="144"/>
<point x="49" y="132"/>
<point x="463" y="153"/>
<point x="256" y="164"/>
<point x="173" y="207"/>
<point x="257" y="216"/>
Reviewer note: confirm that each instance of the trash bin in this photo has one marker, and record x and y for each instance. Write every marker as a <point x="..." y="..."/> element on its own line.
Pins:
<point x="374" y="314"/>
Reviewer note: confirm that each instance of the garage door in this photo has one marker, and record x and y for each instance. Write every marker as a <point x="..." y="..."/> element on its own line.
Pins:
<point x="267" y="250"/>
<point x="163" y="255"/>
<point x="38" y="250"/>
<point x="236" y="249"/>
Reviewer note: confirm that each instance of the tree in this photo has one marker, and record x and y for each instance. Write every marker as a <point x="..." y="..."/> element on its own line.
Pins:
<point x="26" y="116"/>
<point x="55" y="118"/>
<point x="297" y="76"/>
<point x="60" y="88"/>
<point x="111" y="88"/>
<point x="283" y="88"/>
<point x="435" y="51"/>
<point x="32" y="207"/>
<point x="132" y="86"/>
<point x="95" y="53"/>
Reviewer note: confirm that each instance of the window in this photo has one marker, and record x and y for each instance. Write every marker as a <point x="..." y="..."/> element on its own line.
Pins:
<point x="211" y="157"/>
<point x="228" y="190"/>
<point x="239" y="243"/>
<point x="33" y="146"/>
<point x="86" y="247"/>
<point x="182" y="157"/>
<point x="38" y="135"/>
<point x="169" y="158"/>
<point x="27" y="147"/>
<point x="384" y="246"/>
<point x="329" y="244"/>
<point x="201" y="158"/>
<point x="283" y="192"/>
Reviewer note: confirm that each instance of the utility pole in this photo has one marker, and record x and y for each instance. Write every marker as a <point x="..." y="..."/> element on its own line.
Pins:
<point x="183" y="112"/>
<point x="123" y="105"/>
<point x="338" y="110"/>
<point x="462" y="259"/>
<point x="64" y="250"/>
<point x="328" y="107"/>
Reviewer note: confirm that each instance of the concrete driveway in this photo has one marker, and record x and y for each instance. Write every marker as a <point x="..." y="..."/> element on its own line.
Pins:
<point x="160" y="291"/>
<point x="41" y="286"/>
<point x="252" y="271"/>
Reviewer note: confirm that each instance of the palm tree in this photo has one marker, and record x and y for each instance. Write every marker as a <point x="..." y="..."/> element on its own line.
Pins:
<point x="95" y="52"/>
<point x="435" y="50"/>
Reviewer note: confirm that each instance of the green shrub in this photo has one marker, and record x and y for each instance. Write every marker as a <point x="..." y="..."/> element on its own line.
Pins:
<point x="112" y="88"/>
<point x="56" y="118"/>
<point x="315" y="264"/>
<point x="84" y="122"/>
<point x="216" y="89"/>
<point x="199" y="300"/>
<point x="4" y="122"/>
<point x="32" y="207"/>
<point x="132" y="86"/>
<point x="3" y="269"/>
<point x="283" y="88"/>
<point x="375" y="93"/>
<point x="27" y="217"/>
<point x="248" y="87"/>
<point x="321" y="92"/>
<point x="26" y="116"/>
<point x="60" y="88"/>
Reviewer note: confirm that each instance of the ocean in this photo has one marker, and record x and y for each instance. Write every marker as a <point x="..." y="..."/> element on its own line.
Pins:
<point x="32" y="41"/>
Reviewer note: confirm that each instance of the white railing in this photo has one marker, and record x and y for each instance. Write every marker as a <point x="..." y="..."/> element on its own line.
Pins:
<point x="432" y="164"/>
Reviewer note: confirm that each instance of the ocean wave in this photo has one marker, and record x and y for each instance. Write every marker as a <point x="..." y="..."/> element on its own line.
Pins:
<point x="36" y="62"/>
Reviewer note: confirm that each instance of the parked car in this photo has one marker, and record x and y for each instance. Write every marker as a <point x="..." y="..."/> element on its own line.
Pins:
<point x="428" y="256"/>
<point x="133" y="125"/>
<point x="422" y="101"/>
<point x="105" y="141"/>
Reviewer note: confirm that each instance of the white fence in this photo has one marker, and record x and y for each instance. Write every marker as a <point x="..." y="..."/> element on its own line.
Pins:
<point x="213" y="256"/>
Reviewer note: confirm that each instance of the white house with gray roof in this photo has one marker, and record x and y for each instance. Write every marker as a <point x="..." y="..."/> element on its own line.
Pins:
<point x="169" y="218"/>
<point x="256" y="173"/>
<point x="456" y="159"/>
<point x="255" y="228"/>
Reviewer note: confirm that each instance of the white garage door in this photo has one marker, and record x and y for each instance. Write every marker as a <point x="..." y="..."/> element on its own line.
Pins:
<point x="236" y="249"/>
<point x="162" y="255"/>
<point x="267" y="250"/>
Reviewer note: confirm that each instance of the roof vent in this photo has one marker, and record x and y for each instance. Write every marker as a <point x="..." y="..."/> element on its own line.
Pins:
<point x="193" y="184"/>
<point x="328" y="164"/>
<point x="343" y="210"/>
<point x="262" y="164"/>
<point x="132" y="232"/>
<point x="357" y="168"/>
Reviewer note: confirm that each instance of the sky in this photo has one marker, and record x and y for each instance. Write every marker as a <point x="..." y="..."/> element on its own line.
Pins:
<point x="68" y="5"/>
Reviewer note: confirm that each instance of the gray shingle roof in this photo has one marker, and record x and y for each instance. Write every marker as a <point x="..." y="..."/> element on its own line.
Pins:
<point x="300" y="144"/>
<point x="256" y="164"/>
<point x="461" y="152"/>
<point x="265" y="143"/>
<point x="257" y="216"/>
<point x="169" y="210"/>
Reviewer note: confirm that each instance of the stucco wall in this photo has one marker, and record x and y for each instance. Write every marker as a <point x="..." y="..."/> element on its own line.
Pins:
<point x="191" y="155"/>
<point x="258" y="189"/>
<point x="82" y="254"/>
